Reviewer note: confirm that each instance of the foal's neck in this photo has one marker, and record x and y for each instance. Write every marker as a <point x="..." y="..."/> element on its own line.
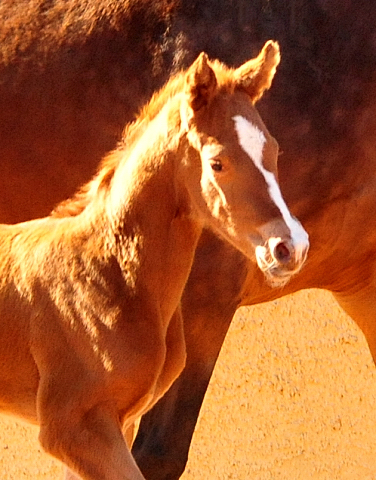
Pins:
<point x="155" y="231"/>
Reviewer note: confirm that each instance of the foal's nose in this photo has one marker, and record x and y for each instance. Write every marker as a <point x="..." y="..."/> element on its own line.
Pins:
<point x="286" y="254"/>
<point x="282" y="253"/>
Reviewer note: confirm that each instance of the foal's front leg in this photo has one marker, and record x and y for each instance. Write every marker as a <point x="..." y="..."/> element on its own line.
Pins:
<point x="93" y="448"/>
<point x="79" y="421"/>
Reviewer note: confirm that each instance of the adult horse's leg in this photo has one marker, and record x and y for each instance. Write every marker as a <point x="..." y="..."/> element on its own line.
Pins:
<point x="161" y="448"/>
<point x="360" y="304"/>
<point x="70" y="475"/>
<point x="162" y="444"/>
<point x="174" y="362"/>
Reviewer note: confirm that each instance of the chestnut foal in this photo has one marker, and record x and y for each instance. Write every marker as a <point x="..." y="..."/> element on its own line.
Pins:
<point x="91" y="334"/>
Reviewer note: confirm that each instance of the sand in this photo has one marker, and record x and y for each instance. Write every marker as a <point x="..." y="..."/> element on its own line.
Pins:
<point x="293" y="397"/>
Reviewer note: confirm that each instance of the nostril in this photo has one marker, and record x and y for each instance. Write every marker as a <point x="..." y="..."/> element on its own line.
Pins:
<point x="282" y="253"/>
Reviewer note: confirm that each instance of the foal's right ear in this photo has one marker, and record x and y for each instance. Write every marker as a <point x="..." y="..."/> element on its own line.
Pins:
<point x="200" y="83"/>
<point x="256" y="75"/>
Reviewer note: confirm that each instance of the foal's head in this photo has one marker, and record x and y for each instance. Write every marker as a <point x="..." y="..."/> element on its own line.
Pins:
<point x="229" y="164"/>
<point x="233" y="158"/>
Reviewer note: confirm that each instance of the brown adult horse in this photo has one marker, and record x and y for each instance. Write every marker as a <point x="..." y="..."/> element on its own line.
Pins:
<point x="72" y="73"/>
<point x="91" y="334"/>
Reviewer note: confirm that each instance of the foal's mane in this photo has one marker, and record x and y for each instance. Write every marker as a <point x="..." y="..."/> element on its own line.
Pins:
<point x="102" y="179"/>
<point x="107" y="167"/>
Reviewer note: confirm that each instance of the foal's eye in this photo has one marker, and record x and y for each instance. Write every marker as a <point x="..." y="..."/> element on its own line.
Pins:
<point x="216" y="165"/>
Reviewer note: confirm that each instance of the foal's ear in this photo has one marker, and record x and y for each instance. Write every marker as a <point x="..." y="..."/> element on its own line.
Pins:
<point x="256" y="75"/>
<point x="200" y="83"/>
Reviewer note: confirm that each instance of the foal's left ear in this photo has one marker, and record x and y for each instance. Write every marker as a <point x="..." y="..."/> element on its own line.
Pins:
<point x="256" y="75"/>
<point x="200" y="83"/>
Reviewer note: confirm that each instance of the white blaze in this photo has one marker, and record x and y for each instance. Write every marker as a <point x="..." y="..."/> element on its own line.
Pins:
<point x="252" y="141"/>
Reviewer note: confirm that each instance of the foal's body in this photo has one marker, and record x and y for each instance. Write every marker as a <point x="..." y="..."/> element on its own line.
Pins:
<point x="71" y="299"/>
<point x="84" y="335"/>
<point x="85" y="327"/>
<point x="91" y="333"/>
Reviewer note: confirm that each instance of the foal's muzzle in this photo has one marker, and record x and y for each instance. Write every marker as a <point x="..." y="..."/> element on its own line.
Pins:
<point x="280" y="259"/>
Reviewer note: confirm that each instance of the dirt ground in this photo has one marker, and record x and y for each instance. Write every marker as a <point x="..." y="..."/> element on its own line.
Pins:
<point x="293" y="397"/>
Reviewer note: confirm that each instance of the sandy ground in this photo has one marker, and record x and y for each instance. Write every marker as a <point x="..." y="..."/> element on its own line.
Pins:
<point x="293" y="397"/>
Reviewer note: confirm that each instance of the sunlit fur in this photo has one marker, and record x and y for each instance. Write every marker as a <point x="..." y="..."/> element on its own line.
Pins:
<point x="91" y="332"/>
